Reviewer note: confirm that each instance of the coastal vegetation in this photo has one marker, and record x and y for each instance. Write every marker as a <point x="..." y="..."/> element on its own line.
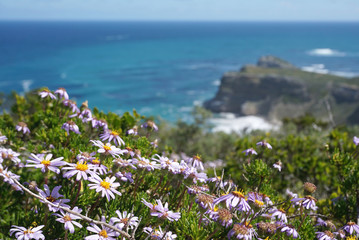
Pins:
<point x="70" y="172"/>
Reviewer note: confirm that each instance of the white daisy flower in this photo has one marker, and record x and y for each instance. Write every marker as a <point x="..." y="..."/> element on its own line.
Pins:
<point x="125" y="219"/>
<point x="40" y="161"/>
<point x="107" y="186"/>
<point x="81" y="169"/>
<point x="68" y="219"/>
<point x="103" y="233"/>
<point x="29" y="233"/>
<point x="108" y="148"/>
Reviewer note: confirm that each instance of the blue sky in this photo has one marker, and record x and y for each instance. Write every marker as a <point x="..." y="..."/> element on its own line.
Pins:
<point x="191" y="10"/>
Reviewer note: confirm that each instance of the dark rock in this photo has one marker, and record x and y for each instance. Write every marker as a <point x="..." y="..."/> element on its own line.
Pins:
<point x="276" y="89"/>
<point x="345" y="93"/>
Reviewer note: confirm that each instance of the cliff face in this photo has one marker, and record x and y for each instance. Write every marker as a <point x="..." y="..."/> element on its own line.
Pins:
<point x="275" y="89"/>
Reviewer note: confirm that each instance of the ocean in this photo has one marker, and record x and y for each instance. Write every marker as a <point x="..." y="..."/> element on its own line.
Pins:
<point x="161" y="68"/>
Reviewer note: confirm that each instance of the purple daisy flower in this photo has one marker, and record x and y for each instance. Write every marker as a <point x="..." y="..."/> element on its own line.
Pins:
<point x="256" y="199"/>
<point x="112" y="135"/>
<point x="242" y="231"/>
<point x="328" y="223"/>
<point x="9" y="154"/>
<point x="62" y="93"/>
<point x="124" y="162"/>
<point x="72" y="105"/>
<point x="8" y="176"/>
<point x="133" y="131"/>
<point x="68" y="219"/>
<point x="290" y="231"/>
<point x="351" y="227"/>
<point x="54" y="197"/>
<point x="102" y="169"/>
<point x="22" y="127"/>
<point x="46" y="93"/>
<point x="278" y="165"/>
<point x="158" y="234"/>
<point x="250" y="151"/>
<point x="234" y="199"/>
<point x="356" y="140"/>
<point x="85" y="115"/>
<point x="71" y="126"/>
<point x="161" y="211"/>
<point x="223" y="216"/>
<point x="279" y="214"/>
<point x="196" y="162"/>
<point x="85" y="156"/>
<point x="205" y="201"/>
<point x="308" y="202"/>
<point x="143" y="162"/>
<point x="151" y="125"/>
<point x="195" y="175"/>
<point x="166" y="163"/>
<point x="125" y="176"/>
<point x="326" y="235"/>
<point x="3" y="138"/>
<point x="264" y="144"/>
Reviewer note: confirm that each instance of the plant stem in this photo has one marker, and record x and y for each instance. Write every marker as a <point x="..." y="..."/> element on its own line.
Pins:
<point x="77" y="194"/>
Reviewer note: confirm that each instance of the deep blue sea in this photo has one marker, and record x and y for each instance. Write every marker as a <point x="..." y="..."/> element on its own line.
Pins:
<point x="161" y="68"/>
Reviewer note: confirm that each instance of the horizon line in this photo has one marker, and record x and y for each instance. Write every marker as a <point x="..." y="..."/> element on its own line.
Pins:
<point x="179" y="20"/>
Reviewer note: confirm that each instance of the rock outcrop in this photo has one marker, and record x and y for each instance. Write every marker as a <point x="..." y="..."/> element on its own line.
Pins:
<point x="275" y="89"/>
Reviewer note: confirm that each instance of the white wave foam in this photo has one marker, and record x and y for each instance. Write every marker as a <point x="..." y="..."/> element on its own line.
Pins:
<point x="316" y="68"/>
<point x="345" y="74"/>
<point x="320" y="68"/>
<point x="326" y="52"/>
<point x="26" y="84"/>
<point x="197" y="103"/>
<point x="228" y="122"/>
<point x="216" y="82"/>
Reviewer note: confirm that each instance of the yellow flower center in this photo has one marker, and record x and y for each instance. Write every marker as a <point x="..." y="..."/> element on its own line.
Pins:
<point x="51" y="199"/>
<point x="82" y="166"/>
<point x="124" y="220"/>
<point x="96" y="161"/>
<point x="67" y="218"/>
<point x="114" y="133"/>
<point x="107" y="148"/>
<point x="352" y="238"/>
<point x="238" y="194"/>
<point x="105" y="184"/>
<point x="258" y="203"/>
<point x="28" y="231"/>
<point x="46" y="163"/>
<point x="103" y="233"/>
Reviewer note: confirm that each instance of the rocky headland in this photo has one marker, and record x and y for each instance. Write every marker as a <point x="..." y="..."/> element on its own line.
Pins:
<point x="275" y="89"/>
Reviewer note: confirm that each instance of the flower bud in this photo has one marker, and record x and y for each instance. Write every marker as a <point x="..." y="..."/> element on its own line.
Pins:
<point x="309" y="187"/>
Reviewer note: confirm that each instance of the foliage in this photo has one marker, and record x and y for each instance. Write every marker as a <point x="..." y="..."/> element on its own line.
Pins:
<point x="243" y="195"/>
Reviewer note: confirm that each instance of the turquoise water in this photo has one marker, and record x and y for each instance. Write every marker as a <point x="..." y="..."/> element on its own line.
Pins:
<point x="160" y="68"/>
